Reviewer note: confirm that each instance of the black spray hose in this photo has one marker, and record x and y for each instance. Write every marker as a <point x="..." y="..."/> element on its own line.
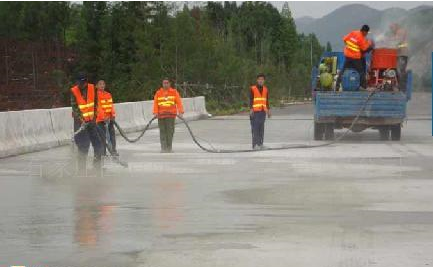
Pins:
<point x="215" y="150"/>
<point x="102" y="140"/>
<point x="109" y="147"/>
<point x="123" y="134"/>
<point x="294" y="146"/>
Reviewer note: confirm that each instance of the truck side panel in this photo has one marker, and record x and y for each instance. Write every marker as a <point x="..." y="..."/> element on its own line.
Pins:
<point x="348" y="104"/>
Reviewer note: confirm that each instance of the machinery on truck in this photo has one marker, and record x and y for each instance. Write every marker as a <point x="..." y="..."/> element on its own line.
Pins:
<point x="336" y="107"/>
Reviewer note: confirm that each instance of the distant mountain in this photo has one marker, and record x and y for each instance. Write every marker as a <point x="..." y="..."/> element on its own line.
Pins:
<point x="304" y="21"/>
<point x="336" y="24"/>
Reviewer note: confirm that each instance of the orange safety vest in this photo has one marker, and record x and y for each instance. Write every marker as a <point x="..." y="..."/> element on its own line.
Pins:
<point x="355" y="44"/>
<point x="259" y="100"/>
<point x="106" y="108"/>
<point x="86" y="106"/>
<point x="167" y="103"/>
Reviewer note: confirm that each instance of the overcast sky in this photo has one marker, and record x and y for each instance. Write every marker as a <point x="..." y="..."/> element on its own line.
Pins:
<point x="318" y="9"/>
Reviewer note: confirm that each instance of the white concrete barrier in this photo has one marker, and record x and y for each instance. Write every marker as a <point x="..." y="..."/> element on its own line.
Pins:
<point x="200" y="106"/>
<point x="148" y="114"/>
<point x="26" y="131"/>
<point x="130" y="116"/>
<point x="33" y="130"/>
<point x="62" y="124"/>
<point x="15" y="133"/>
<point x="189" y="110"/>
<point x="38" y="125"/>
<point x="7" y="140"/>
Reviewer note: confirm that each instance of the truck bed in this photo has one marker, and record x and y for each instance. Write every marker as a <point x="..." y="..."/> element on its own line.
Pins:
<point x="382" y="106"/>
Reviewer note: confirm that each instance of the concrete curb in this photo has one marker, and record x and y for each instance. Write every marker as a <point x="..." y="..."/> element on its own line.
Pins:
<point x="34" y="130"/>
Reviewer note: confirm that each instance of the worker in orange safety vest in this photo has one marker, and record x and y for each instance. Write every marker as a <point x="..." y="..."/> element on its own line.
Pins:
<point x="356" y="46"/>
<point x="84" y="107"/>
<point x="167" y="105"/>
<point x="106" y="117"/>
<point x="259" y="108"/>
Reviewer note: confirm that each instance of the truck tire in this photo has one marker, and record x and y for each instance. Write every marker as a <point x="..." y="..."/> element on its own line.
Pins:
<point x="384" y="133"/>
<point x="395" y="132"/>
<point x="329" y="132"/>
<point x="318" y="131"/>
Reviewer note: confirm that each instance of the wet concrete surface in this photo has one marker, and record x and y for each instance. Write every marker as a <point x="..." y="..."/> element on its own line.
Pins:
<point x="362" y="202"/>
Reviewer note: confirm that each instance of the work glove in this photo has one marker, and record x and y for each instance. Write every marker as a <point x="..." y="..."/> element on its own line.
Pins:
<point x="251" y="113"/>
<point x="181" y="115"/>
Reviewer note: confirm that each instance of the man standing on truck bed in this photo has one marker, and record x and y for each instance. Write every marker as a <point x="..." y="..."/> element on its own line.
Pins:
<point x="356" y="45"/>
<point x="259" y="107"/>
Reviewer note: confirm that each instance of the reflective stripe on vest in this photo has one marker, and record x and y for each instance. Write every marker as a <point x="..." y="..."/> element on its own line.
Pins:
<point x="352" y="46"/>
<point x="107" y="108"/>
<point x="166" y="101"/>
<point x="86" y="106"/>
<point x="259" y="100"/>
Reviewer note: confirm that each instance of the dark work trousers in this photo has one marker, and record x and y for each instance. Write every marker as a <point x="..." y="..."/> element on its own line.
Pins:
<point x="167" y="129"/>
<point x="83" y="141"/>
<point x="111" y="134"/>
<point x="257" y="122"/>
<point x="359" y="65"/>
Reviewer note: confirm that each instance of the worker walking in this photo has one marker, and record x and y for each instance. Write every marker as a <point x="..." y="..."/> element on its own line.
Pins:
<point x="84" y="107"/>
<point x="106" y="118"/>
<point x="259" y="108"/>
<point x="167" y="104"/>
<point x="356" y="45"/>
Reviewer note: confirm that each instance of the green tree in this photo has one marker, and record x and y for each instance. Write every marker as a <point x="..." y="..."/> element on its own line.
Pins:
<point x="329" y="47"/>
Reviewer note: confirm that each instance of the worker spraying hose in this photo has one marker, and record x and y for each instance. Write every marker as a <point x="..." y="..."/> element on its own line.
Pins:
<point x="84" y="110"/>
<point x="92" y="119"/>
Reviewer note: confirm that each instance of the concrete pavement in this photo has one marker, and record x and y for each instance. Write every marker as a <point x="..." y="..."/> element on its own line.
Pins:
<point x="362" y="202"/>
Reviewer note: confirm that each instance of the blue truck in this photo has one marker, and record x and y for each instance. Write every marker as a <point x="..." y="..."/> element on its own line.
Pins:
<point x="336" y="107"/>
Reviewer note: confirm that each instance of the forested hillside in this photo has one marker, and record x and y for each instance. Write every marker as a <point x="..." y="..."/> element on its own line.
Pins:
<point x="218" y="47"/>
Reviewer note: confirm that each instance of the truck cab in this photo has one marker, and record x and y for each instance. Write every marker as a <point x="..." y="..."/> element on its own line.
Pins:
<point x="337" y="106"/>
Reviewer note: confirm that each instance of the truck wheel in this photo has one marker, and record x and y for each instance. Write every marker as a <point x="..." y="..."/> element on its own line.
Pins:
<point x="318" y="129"/>
<point x="384" y="133"/>
<point x="329" y="133"/>
<point x="396" y="132"/>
